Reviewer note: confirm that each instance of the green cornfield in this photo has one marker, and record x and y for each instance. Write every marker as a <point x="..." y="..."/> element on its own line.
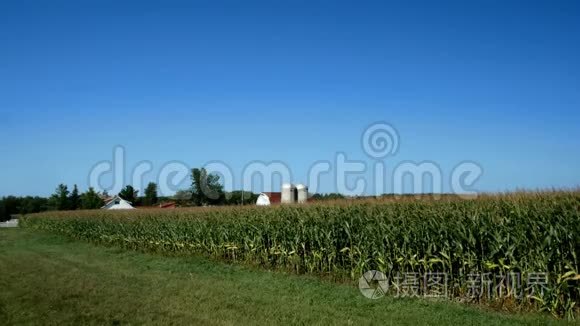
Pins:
<point x="523" y="234"/>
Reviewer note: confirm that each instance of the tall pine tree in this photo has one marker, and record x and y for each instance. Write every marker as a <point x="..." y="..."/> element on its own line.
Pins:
<point x="129" y="194"/>
<point x="59" y="200"/>
<point x="151" y="194"/>
<point x="91" y="200"/>
<point x="75" y="198"/>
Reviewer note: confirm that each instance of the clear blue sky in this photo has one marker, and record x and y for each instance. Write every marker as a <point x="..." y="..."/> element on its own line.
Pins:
<point x="496" y="82"/>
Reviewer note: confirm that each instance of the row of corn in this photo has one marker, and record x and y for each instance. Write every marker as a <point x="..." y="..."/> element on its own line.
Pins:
<point x="523" y="233"/>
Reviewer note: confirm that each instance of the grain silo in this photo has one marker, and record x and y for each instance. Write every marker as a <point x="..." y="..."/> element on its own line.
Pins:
<point x="288" y="193"/>
<point x="302" y="191"/>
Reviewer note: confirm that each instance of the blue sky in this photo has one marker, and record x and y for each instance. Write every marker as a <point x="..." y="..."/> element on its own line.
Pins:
<point x="494" y="82"/>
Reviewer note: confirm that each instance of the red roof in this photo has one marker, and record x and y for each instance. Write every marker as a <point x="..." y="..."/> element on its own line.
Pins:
<point x="167" y="205"/>
<point x="275" y="197"/>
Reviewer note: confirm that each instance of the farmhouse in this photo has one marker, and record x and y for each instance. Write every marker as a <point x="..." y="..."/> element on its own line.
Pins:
<point x="118" y="203"/>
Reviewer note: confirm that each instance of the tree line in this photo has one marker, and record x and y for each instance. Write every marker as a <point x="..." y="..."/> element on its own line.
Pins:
<point x="61" y="199"/>
<point x="205" y="190"/>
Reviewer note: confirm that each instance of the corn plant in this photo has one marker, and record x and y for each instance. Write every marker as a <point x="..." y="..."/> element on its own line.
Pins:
<point x="511" y="233"/>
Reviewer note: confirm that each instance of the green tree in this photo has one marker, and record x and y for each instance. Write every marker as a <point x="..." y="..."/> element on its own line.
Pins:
<point x="75" y="198"/>
<point x="151" y="194"/>
<point x="129" y="194"/>
<point x="8" y="207"/>
<point x="330" y="196"/>
<point x="238" y="197"/>
<point x="91" y="200"/>
<point x="3" y="213"/>
<point x="29" y="205"/>
<point x="59" y="200"/>
<point x="12" y="205"/>
<point x="183" y="197"/>
<point x="206" y="188"/>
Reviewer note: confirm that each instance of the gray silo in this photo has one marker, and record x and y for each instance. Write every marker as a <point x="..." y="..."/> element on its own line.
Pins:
<point x="288" y="193"/>
<point x="302" y="191"/>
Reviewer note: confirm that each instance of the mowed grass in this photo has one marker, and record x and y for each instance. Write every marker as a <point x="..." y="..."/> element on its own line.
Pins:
<point x="50" y="280"/>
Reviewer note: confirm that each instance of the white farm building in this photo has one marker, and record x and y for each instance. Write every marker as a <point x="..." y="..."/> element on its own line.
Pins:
<point x="267" y="199"/>
<point x="118" y="203"/>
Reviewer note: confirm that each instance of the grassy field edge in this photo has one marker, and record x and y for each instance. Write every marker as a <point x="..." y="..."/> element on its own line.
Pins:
<point x="50" y="279"/>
